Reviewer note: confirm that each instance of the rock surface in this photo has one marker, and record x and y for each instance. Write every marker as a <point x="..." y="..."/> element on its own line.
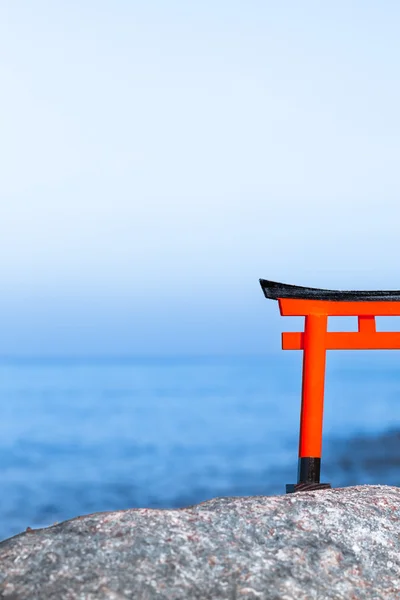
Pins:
<point x="342" y="543"/>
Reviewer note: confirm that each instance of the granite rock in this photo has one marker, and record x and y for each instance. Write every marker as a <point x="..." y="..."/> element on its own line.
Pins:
<point x="340" y="543"/>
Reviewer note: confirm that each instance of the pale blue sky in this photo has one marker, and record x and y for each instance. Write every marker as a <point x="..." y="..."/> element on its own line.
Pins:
<point x="157" y="158"/>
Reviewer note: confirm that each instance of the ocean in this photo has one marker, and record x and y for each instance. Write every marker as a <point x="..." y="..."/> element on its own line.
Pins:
<point x="82" y="435"/>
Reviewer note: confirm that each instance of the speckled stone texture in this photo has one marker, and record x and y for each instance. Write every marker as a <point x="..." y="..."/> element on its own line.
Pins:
<point x="342" y="543"/>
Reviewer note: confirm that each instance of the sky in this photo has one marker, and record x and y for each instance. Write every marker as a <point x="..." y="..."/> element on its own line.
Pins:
<point x="158" y="157"/>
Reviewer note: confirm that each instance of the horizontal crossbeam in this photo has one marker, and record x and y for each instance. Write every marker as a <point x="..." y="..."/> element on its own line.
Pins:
<point x="290" y="307"/>
<point x="381" y="340"/>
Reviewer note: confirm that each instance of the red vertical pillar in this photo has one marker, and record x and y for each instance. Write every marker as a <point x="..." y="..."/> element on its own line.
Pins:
<point x="312" y="404"/>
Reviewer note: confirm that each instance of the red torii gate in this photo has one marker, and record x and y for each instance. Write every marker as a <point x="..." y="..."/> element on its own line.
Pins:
<point x="316" y="306"/>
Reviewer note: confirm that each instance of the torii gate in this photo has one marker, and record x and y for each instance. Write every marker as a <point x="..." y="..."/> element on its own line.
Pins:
<point x="316" y="306"/>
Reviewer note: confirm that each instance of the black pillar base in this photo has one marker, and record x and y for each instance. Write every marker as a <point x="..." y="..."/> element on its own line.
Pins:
<point x="306" y="487"/>
<point x="308" y="476"/>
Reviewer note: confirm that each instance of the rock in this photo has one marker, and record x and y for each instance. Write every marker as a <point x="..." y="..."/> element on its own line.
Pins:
<point x="340" y="543"/>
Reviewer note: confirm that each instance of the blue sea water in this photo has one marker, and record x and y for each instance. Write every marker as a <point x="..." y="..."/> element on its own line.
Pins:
<point x="82" y="435"/>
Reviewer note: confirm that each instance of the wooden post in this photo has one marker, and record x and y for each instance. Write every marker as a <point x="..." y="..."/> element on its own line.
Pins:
<point x="312" y="404"/>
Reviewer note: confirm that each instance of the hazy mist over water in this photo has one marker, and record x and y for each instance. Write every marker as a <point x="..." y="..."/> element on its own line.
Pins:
<point x="159" y="157"/>
<point x="81" y="436"/>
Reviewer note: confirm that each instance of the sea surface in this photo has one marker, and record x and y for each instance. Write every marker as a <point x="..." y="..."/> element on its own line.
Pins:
<point x="83" y="435"/>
